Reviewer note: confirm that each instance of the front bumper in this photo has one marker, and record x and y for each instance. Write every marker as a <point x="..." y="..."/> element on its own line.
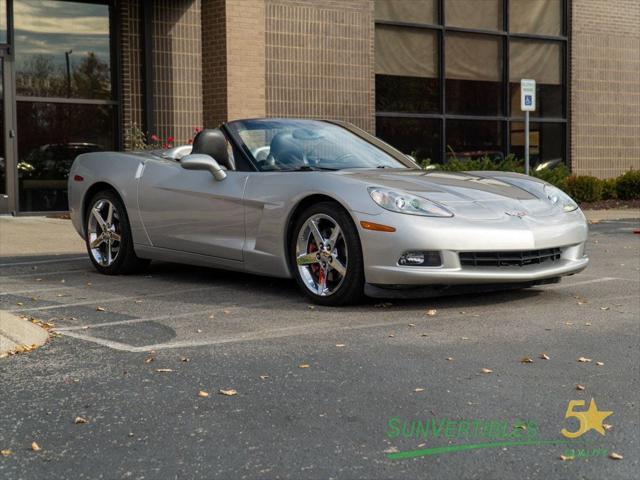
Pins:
<point x="449" y="236"/>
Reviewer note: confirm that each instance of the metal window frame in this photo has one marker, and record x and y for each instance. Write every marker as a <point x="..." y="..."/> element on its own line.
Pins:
<point x="508" y="118"/>
<point x="11" y="98"/>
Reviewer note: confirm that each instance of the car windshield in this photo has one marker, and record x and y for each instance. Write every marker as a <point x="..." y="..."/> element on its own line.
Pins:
<point x="299" y="145"/>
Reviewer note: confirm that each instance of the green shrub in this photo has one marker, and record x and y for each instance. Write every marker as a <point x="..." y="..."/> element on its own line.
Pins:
<point x="584" y="188"/>
<point x="609" y="188"/>
<point x="628" y="185"/>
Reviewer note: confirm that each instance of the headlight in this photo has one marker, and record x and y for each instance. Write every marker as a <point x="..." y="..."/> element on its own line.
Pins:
<point x="406" y="203"/>
<point x="559" y="198"/>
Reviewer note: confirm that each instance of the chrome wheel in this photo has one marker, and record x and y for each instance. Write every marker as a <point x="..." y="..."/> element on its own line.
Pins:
<point x="321" y="255"/>
<point x="104" y="232"/>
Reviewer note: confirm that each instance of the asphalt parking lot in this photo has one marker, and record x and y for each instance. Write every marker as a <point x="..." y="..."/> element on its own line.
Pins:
<point x="318" y="388"/>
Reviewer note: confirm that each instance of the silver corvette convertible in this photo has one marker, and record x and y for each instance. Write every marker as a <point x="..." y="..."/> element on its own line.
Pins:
<point x="328" y="204"/>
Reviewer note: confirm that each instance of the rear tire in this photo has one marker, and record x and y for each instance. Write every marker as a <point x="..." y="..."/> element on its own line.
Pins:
<point x="108" y="236"/>
<point x="327" y="263"/>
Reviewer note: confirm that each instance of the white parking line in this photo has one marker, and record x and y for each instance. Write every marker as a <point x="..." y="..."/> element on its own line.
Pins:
<point x="38" y="262"/>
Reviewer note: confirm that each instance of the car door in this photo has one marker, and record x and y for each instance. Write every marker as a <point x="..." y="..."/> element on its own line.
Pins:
<point x="188" y="210"/>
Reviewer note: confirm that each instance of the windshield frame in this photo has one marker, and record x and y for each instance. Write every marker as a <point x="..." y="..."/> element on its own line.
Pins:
<point x="230" y="128"/>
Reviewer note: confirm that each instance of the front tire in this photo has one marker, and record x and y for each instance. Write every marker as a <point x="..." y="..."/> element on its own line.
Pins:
<point x="326" y="255"/>
<point x="108" y="236"/>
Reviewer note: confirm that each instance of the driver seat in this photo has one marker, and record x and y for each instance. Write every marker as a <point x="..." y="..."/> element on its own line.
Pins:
<point x="212" y="142"/>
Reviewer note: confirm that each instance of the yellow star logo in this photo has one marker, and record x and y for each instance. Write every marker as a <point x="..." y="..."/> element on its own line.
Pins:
<point x="590" y="419"/>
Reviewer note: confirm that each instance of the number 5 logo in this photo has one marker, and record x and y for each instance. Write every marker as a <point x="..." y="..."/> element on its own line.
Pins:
<point x="589" y="419"/>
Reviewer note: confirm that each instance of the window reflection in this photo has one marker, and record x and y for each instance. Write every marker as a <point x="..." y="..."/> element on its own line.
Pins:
<point x="418" y="137"/>
<point x="474" y="74"/>
<point x="471" y="139"/>
<point x="62" y="49"/>
<point x="541" y="61"/>
<point x="3" y="21"/>
<point x="546" y="143"/>
<point x="406" y="70"/>
<point x="50" y="136"/>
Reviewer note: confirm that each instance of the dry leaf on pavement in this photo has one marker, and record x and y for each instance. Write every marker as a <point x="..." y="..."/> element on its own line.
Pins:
<point x="340" y="345"/>
<point x="411" y="325"/>
<point x="450" y="359"/>
<point x="579" y="387"/>
<point x="392" y="335"/>
<point x="303" y="365"/>
<point x="164" y="370"/>
<point x="615" y="456"/>
<point x="264" y="377"/>
<point x="185" y="359"/>
<point x="419" y="389"/>
<point x="584" y="360"/>
<point x="544" y="356"/>
<point x="35" y="447"/>
<point x="607" y="426"/>
<point x="600" y="364"/>
<point x="526" y="360"/>
<point x="100" y="309"/>
<point x="486" y="370"/>
<point x="564" y="458"/>
<point x="6" y="452"/>
<point x="80" y="420"/>
<point x="431" y="312"/>
<point x="229" y="393"/>
<point x="203" y="394"/>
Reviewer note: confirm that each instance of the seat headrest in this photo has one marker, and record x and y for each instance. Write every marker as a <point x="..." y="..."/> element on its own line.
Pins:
<point x="287" y="150"/>
<point x="212" y="142"/>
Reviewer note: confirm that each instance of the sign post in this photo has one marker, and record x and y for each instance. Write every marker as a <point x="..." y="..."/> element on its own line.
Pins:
<point x="527" y="104"/>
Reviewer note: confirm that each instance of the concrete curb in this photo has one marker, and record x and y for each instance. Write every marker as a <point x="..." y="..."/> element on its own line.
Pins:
<point x="16" y="332"/>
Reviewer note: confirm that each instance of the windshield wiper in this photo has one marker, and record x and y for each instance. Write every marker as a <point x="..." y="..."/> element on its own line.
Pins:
<point x="310" y="168"/>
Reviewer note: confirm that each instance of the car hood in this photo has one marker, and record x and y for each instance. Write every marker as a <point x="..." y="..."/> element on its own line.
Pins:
<point x="467" y="195"/>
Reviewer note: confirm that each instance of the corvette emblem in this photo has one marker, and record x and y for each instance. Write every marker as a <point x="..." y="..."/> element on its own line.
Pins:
<point x="515" y="213"/>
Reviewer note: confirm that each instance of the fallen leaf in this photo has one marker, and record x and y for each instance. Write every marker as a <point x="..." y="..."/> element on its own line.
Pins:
<point x="526" y="360"/>
<point x="391" y="450"/>
<point x="211" y="317"/>
<point x="486" y="370"/>
<point x="149" y="359"/>
<point x="600" y="364"/>
<point x="80" y="420"/>
<point x="303" y="365"/>
<point x="411" y="325"/>
<point x="565" y="458"/>
<point x="35" y="447"/>
<point x="229" y="393"/>
<point x="311" y="307"/>
<point x="464" y="338"/>
<point x="392" y="335"/>
<point x="615" y="456"/>
<point x="340" y="345"/>
<point x="6" y="452"/>
<point x="185" y="359"/>
<point x="164" y="370"/>
<point x="604" y="308"/>
<point x="89" y="284"/>
<point x="100" y="309"/>
<point x="264" y="377"/>
<point x="607" y="426"/>
<point x="450" y="359"/>
<point x="383" y="305"/>
<point x="226" y="311"/>
<point x="579" y="387"/>
<point x="544" y="356"/>
<point x="568" y="323"/>
<point x="424" y="334"/>
<point x="138" y="301"/>
<point x="20" y="304"/>
<point x="419" y="389"/>
<point x="584" y="360"/>
<point x="203" y="394"/>
<point x="587" y="324"/>
<point x="198" y="331"/>
<point x="431" y="312"/>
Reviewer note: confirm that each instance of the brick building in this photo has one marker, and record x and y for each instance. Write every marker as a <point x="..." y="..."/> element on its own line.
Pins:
<point x="435" y="78"/>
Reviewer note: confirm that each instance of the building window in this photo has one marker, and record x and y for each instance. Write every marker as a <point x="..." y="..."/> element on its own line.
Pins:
<point x="64" y="95"/>
<point x="485" y="15"/>
<point x="474" y="74"/>
<point x="542" y="17"/>
<point x="406" y="70"/>
<point x="450" y="70"/>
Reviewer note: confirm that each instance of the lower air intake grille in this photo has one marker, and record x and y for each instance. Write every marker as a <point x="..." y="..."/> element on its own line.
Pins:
<point x="509" y="259"/>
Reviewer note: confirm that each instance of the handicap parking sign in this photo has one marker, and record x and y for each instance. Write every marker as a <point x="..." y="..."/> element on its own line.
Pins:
<point x="527" y="95"/>
<point x="528" y="101"/>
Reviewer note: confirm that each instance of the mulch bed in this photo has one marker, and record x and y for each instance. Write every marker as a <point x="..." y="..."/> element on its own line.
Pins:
<point x="611" y="205"/>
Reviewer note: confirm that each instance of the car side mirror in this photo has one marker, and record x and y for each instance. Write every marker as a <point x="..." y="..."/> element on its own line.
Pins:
<point x="200" y="161"/>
